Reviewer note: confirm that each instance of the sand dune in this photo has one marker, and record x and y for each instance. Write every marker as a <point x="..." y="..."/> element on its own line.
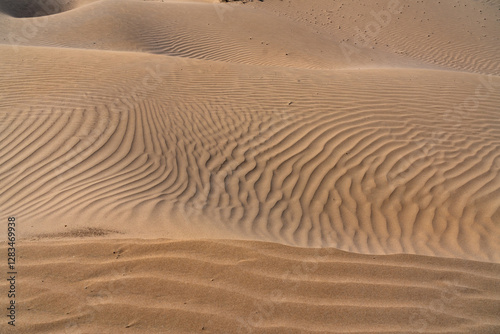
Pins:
<point x="204" y="36"/>
<point x="303" y="158"/>
<point x="371" y="128"/>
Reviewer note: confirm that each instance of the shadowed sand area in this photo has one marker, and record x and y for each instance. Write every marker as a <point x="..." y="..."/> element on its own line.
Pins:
<point x="193" y="154"/>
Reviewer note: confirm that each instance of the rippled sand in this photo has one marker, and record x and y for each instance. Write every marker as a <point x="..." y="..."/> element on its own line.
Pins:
<point x="263" y="167"/>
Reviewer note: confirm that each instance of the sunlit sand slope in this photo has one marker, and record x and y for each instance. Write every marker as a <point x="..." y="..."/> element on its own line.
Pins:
<point x="372" y="161"/>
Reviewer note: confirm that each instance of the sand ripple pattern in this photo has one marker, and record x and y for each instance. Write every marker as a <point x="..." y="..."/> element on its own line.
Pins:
<point x="248" y="287"/>
<point x="309" y="159"/>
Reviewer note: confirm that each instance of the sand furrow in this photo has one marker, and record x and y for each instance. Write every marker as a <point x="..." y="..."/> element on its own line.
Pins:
<point x="183" y="281"/>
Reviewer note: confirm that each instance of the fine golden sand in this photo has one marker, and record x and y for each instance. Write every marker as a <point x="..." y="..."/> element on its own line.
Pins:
<point x="296" y="166"/>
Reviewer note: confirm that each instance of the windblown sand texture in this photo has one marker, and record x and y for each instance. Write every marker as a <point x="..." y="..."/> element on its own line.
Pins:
<point x="171" y="163"/>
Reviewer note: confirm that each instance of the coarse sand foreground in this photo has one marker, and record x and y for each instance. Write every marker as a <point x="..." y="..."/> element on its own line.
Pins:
<point x="200" y="286"/>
